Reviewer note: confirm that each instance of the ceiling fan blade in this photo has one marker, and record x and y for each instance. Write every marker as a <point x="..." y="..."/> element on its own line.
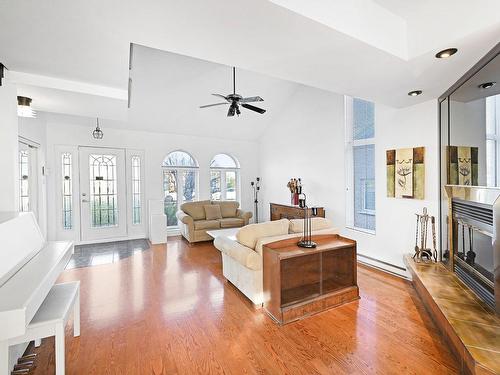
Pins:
<point x="252" y="99"/>
<point x="221" y="96"/>
<point x="212" y="105"/>
<point x="253" y="108"/>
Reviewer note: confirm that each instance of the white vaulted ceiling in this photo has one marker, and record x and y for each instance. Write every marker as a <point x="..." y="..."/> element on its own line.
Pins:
<point x="374" y="49"/>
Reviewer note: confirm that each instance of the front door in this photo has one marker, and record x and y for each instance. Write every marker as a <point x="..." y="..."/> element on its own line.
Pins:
<point x="102" y="193"/>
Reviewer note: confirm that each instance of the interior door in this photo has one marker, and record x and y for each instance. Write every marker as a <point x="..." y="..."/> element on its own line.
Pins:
<point x="102" y="193"/>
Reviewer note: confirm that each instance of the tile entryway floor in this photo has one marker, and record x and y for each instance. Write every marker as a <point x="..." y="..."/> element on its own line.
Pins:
<point x="105" y="253"/>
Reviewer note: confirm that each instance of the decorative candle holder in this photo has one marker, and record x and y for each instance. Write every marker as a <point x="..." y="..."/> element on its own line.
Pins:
<point x="306" y="240"/>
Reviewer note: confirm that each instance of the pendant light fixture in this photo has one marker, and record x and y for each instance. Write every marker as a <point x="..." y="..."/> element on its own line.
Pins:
<point x="24" y="107"/>
<point x="97" y="133"/>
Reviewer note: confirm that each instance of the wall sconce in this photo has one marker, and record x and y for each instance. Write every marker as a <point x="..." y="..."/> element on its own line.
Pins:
<point x="24" y="107"/>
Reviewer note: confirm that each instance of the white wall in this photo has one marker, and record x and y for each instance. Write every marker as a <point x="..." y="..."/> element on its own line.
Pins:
<point x="308" y="141"/>
<point x="67" y="130"/>
<point x="9" y="194"/>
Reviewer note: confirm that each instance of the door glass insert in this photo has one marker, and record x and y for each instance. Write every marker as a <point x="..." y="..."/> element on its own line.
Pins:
<point x="103" y="191"/>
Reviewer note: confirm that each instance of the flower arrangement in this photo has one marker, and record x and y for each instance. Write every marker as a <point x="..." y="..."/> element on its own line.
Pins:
<point x="295" y="187"/>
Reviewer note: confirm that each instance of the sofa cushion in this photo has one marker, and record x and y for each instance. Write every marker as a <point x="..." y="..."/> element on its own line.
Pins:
<point x="248" y="235"/>
<point x="212" y="211"/>
<point x="228" y="208"/>
<point x="317" y="223"/>
<point x="206" y="224"/>
<point x="195" y="209"/>
<point x="231" y="222"/>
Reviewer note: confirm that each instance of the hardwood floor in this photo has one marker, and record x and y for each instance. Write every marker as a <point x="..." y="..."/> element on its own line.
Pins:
<point x="169" y="310"/>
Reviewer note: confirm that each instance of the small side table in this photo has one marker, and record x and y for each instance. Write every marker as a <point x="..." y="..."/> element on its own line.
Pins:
<point x="299" y="282"/>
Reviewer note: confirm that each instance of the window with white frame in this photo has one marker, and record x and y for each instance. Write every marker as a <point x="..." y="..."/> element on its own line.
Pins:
<point x="67" y="190"/>
<point x="360" y="156"/>
<point x="136" y="189"/>
<point x="224" y="178"/>
<point x="24" y="186"/>
<point x="180" y="183"/>
<point x="492" y="140"/>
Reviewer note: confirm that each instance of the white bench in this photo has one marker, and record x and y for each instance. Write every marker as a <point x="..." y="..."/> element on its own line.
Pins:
<point x="51" y="318"/>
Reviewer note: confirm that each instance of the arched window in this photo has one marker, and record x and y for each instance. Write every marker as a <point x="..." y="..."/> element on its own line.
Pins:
<point x="180" y="183"/>
<point x="224" y="178"/>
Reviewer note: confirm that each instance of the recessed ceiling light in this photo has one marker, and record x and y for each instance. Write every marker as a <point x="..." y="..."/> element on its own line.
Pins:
<point x="415" y="93"/>
<point x="24" y="107"/>
<point x="446" y="53"/>
<point x="487" y="85"/>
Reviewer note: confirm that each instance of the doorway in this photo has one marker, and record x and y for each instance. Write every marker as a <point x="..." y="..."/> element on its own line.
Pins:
<point x="103" y="210"/>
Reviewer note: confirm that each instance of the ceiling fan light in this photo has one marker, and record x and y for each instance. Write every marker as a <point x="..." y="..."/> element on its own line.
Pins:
<point x="24" y="107"/>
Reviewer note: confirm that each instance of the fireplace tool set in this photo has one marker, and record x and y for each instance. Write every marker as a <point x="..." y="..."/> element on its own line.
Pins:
<point x="470" y="256"/>
<point x="422" y="252"/>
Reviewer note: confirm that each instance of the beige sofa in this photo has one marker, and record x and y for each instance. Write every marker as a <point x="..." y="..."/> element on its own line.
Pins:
<point x="194" y="223"/>
<point x="242" y="258"/>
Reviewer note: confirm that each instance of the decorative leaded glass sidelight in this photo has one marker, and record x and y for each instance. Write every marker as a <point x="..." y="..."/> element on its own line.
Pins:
<point x="136" y="190"/>
<point x="67" y="190"/>
<point x="103" y="191"/>
<point x="24" y="196"/>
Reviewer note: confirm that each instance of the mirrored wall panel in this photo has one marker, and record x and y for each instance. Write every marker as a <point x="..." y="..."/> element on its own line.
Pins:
<point x="473" y="149"/>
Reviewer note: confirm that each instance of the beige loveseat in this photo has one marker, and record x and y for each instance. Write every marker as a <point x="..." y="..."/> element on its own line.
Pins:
<point x="242" y="257"/>
<point x="193" y="220"/>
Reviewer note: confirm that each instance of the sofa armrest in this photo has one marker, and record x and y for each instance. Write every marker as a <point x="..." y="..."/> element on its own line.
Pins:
<point x="242" y="254"/>
<point x="184" y="218"/>
<point x="245" y="215"/>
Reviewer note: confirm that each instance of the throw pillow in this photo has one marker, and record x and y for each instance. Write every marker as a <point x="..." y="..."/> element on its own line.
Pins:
<point x="212" y="211"/>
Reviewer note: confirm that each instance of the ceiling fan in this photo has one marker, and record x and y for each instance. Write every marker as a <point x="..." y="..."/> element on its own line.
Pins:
<point x="235" y="101"/>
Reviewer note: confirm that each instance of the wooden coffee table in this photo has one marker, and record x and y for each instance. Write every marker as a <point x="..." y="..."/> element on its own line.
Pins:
<point x="299" y="282"/>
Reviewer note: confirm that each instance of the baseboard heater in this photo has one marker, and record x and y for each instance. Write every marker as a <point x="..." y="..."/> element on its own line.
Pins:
<point x="382" y="263"/>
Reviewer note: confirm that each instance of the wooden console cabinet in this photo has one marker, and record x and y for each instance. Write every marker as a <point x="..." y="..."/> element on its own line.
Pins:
<point x="283" y="211"/>
<point x="299" y="282"/>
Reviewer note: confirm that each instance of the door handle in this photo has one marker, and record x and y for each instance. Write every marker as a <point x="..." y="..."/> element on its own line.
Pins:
<point x="85" y="200"/>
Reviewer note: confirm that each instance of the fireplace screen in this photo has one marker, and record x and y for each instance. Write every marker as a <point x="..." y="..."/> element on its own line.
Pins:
<point x="473" y="255"/>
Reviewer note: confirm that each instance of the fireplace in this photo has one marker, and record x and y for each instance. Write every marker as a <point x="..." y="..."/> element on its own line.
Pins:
<point x="474" y="248"/>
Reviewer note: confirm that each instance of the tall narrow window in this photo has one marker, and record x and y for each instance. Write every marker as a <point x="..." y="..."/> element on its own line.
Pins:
<point x="136" y="190"/>
<point x="360" y="154"/>
<point x="67" y="191"/>
<point x="224" y="178"/>
<point x="492" y="140"/>
<point x="180" y="183"/>
<point x="24" y="167"/>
